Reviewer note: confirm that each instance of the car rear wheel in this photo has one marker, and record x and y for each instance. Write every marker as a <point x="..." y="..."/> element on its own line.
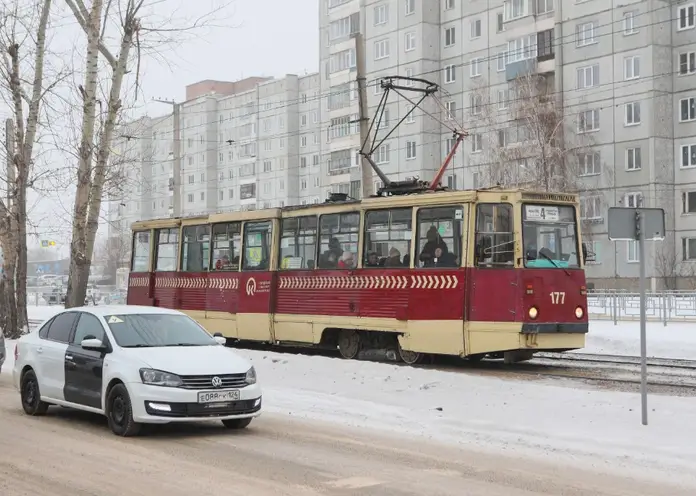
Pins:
<point x="31" y="395"/>
<point x="120" y="412"/>
<point x="237" y="423"/>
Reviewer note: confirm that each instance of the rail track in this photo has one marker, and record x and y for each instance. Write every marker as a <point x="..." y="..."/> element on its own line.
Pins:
<point x="664" y="374"/>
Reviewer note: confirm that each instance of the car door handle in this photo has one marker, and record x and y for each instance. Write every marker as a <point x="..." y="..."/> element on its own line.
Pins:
<point x="68" y="358"/>
<point x="39" y="350"/>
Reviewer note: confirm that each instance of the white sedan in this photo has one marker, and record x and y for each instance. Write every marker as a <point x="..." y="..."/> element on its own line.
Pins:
<point x="135" y="365"/>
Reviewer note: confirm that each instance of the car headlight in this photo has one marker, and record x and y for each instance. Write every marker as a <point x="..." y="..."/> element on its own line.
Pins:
<point x="250" y="376"/>
<point x="159" y="378"/>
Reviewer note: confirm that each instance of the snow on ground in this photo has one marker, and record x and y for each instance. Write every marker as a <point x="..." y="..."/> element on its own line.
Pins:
<point x="530" y="418"/>
<point x="675" y="340"/>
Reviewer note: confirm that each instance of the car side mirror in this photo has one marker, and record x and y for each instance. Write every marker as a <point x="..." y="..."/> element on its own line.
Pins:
<point x="220" y="338"/>
<point x="93" y="344"/>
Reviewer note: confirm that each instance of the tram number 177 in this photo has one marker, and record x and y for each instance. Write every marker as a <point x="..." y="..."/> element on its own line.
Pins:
<point x="557" y="297"/>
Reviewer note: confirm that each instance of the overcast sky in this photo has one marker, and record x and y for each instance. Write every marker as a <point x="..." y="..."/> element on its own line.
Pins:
<point x="246" y="38"/>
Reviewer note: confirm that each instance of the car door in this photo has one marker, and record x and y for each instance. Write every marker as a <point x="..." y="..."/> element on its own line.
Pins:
<point x="51" y="354"/>
<point x="84" y="368"/>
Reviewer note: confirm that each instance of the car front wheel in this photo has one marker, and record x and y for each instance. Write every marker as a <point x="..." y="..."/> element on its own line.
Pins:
<point x="119" y="411"/>
<point x="31" y="395"/>
<point x="237" y="423"/>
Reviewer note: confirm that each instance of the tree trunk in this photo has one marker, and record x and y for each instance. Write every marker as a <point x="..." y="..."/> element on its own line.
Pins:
<point x="79" y="259"/>
<point x="9" y="312"/>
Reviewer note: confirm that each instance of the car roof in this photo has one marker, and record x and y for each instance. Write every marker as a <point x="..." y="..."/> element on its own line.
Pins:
<point x="102" y="310"/>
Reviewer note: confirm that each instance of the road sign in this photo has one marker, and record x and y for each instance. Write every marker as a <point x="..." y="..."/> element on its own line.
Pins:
<point x="639" y="224"/>
<point x="623" y="224"/>
<point x="46" y="243"/>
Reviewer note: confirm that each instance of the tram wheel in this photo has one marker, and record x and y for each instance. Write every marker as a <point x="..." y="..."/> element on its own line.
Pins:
<point x="411" y="357"/>
<point x="349" y="343"/>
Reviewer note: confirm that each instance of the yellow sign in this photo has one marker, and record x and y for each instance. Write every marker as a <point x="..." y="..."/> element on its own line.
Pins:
<point x="114" y="320"/>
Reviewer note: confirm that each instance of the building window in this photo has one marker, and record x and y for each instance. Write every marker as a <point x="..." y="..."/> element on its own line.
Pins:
<point x="451" y="108"/>
<point x="475" y="28"/>
<point x="544" y="6"/>
<point x="315" y="160"/>
<point x="633" y="159"/>
<point x="450" y="37"/>
<point x="687" y="109"/>
<point x="410" y="150"/>
<point x="476" y="143"/>
<point x="381" y="49"/>
<point x="303" y="120"/>
<point x="381" y="14"/>
<point x="475" y="104"/>
<point x="503" y="99"/>
<point x="303" y="162"/>
<point x="230" y="194"/>
<point x="267" y="166"/>
<point x="688" y="249"/>
<point x="499" y="23"/>
<point x="189" y="198"/>
<point x="633" y="200"/>
<point x="632" y="114"/>
<point x="591" y="207"/>
<point x="202" y="196"/>
<point x="632" y="252"/>
<point x="589" y="164"/>
<point x="588" y="76"/>
<point x="631" y="67"/>
<point x="689" y="202"/>
<point x="450" y="74"/>
<point x="687" y="63"/>
<point x="688" y="155"/>
<point x="687" y="17"/>
<point x="383" y="154"/>
<point x="514" y="9"/>
<point x="410" y="41"/>
<point x="449" y="4"/>
<point x="501" y="60"/>
<point x="221" y="195"/>
<point x="588" y="121"/>
<point x="585" y="34"/>
<point x="410" y="6"/>
<point x="475" y="67"/>
<point x="191" y="179"/>
<point x="629" y="23"/>
<point x="303" y="141"/>
<point x="411" y="118"/>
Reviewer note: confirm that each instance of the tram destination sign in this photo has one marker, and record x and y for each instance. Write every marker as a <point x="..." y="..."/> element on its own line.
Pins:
<point x="541" y="213"/>
<point x="627" y="224"/>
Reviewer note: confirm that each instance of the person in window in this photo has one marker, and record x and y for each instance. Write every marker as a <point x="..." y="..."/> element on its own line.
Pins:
<point x="330" y="257"/>
<point x="443" y="258"/>
<point x="372" y="260"/>
<point x="347" y="261"/>
<point x="434" y="241"/>
<point x="394" y="259"/>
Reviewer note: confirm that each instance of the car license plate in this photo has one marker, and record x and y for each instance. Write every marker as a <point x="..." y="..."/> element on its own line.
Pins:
<point x="218" y="396"/>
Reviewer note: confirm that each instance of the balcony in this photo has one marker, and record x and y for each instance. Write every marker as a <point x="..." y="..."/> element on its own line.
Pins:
<point x="521" y="68"/>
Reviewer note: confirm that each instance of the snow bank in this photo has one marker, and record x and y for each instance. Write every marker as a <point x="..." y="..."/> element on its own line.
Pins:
<point x="9" y="358"/>
<point x="676" y="340"/>
<point x="600" y="429"/>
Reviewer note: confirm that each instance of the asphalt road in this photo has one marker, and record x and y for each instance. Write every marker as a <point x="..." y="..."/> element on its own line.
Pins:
<point x="71" y="453"/>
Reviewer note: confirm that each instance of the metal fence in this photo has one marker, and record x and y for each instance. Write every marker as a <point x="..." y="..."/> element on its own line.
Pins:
<point x="661" y="306"/>
<point x="40" y="295"/>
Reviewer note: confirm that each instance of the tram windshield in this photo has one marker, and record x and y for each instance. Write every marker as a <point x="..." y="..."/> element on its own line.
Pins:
<point x="549" y="235"/>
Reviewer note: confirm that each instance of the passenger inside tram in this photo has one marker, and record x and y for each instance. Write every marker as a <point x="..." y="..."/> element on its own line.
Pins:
<point x="434" y="242"/>
<point x="394" y="259"/>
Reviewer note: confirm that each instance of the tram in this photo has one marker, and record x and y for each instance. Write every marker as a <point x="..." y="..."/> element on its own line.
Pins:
<point x="413" y="272"/>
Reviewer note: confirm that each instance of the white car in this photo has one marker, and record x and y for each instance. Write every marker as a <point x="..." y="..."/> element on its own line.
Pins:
<point x="135" y="365"/>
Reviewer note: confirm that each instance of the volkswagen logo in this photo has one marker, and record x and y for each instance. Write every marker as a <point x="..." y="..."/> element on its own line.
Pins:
<point x="217" y="382"/>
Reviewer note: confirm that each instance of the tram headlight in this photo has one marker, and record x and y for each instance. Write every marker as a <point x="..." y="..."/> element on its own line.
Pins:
<point x="579" y="312"/>
<point x="533" y="313"/>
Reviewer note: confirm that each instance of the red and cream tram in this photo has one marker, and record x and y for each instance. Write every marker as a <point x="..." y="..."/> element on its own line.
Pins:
<point x="494" y="272"/>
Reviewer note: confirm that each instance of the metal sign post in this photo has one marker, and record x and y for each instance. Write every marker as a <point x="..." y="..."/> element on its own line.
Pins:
<point x="639" y="224"/>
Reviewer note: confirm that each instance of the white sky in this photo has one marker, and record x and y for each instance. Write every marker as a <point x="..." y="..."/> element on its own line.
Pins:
<point x="246" y="38"/>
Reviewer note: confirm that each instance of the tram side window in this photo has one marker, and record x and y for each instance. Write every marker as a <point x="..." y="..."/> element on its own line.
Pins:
<point x="257" y="245"/>
<point x="495" y="246"/>
<point x="298" y="243"/>
<point x="195" y="253"/>
<point x="388" y="235"/>
<point x="339" y="240"/>
<point x="167" y="248"/>
<point x="227" y="242"/>
<point x="440" y="236"/>
<point x="141" y="252"/>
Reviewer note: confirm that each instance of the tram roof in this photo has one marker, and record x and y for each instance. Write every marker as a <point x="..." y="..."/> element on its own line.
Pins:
<point x="434" y="198"/>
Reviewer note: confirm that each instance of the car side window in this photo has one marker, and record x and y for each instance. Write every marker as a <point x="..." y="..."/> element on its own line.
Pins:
<point x="43" y="332"/>
<point x="61" y="327"/>
<point x="88" y="326"/>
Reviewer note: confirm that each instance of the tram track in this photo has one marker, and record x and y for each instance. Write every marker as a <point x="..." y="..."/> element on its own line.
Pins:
<point x="665" y="375"/>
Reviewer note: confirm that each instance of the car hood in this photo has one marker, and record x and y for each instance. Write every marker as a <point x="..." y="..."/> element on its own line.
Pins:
<point x="191" y="360"/>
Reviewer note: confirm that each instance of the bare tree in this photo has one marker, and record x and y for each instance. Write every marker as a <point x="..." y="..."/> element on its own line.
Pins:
<point x="23" y="44"/>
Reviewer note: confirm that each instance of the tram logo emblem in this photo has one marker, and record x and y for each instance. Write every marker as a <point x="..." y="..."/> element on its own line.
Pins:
<point x="251" y="287"/>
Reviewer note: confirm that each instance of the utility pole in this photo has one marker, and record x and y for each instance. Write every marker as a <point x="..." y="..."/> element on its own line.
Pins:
<point x="175" y="185"/>
<point x="9" y="153"/>
<point x="361" y="79"/>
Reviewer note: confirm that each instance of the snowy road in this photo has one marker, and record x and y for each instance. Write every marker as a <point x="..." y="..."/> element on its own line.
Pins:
<point x="71" y="453"/>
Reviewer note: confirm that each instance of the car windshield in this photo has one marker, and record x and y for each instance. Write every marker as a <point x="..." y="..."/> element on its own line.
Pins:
<point x="550" y="237"/>
<point x="157" y="330"/>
